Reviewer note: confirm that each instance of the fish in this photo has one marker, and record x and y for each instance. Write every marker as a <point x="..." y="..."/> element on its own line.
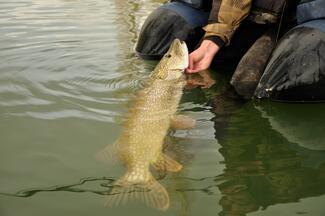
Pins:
<point x="148" y="120"/>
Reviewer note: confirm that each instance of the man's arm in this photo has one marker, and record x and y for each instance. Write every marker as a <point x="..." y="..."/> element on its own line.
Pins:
<point x="225" y="18"/>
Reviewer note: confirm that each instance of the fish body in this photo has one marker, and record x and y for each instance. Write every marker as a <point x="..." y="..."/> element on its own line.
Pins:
<point x="146" y="124"/>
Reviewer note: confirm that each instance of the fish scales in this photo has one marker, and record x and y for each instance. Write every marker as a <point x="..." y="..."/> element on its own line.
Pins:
<point x="149" y="119"/>
<point x="144" y="129"/>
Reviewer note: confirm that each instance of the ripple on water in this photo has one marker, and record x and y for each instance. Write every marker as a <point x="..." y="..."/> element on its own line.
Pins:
<point x="61" y="60"/>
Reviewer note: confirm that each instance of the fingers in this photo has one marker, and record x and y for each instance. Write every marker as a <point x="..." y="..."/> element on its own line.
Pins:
<point x="197" y="61"/>
<point x="201" y="58"/>
<point x="200" y="64"/>
<point x="193" y="63"/>
<point x="190" y="64"/>
<point x="192" y="70"/>
<point x="196" y="66"/>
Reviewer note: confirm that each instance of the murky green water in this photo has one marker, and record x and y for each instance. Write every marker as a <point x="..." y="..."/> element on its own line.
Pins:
<point x="67" y="72"/>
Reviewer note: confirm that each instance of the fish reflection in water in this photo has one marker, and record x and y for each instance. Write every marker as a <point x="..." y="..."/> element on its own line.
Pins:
<point x="145" y="127"/>
<point x="267" y="168"/>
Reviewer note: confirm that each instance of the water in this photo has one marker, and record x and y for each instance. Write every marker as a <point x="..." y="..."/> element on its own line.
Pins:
<point x="67" y="72"/>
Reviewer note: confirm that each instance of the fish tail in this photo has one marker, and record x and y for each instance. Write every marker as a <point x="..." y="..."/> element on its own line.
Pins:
<point x="150" y="192"/>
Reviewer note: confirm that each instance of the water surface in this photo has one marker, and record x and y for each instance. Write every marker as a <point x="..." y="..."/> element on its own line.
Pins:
<point x="67" y="73"/>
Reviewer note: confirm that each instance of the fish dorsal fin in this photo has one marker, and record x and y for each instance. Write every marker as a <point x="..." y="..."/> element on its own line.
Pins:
<point x="151" y="192"/>
<point x="182" y="122"/>
<point x="109" y="154"/>
<point x="164" y="162"/>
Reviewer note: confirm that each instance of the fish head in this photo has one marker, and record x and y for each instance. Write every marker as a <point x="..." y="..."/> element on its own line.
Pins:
<point x="173" y="63"/>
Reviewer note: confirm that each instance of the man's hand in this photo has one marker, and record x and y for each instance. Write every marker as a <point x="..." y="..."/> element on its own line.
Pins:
<point x="201" y="58"/>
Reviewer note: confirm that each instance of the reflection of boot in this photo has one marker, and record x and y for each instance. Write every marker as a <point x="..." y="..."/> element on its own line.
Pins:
<point x="223" y="106"/>
<point x="251" y="66"/>
<point x="237" y="199"/>
<point x="226" y="103"/>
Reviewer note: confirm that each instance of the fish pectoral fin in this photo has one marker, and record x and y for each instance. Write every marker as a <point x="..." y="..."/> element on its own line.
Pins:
<point x="181" y="122"/>
<point x="152" y="193"/>
<point x="164" y="162"/>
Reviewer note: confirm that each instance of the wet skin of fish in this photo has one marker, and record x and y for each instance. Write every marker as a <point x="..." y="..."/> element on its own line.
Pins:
<point x="147" y="122"/>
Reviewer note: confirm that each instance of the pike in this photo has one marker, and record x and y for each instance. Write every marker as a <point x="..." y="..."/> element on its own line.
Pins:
<point x="147" y="122"/>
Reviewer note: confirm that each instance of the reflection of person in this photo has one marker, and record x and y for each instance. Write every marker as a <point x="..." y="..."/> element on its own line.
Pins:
<point x="201" y="79"/>
<point x="264" y="168"/>
<point x="225" y="18"/>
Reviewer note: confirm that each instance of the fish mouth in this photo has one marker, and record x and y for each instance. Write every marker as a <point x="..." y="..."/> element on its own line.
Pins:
<point x="182" y="50"/>
<point x="186" y="57"/>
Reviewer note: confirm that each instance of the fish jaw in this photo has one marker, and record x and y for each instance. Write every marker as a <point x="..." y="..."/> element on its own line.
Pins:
<point x="173" y="63"/>
<point x="179" y="48"/>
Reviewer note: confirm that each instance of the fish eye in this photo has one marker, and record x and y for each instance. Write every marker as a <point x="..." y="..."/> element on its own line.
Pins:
<point x="168" y="55"/>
